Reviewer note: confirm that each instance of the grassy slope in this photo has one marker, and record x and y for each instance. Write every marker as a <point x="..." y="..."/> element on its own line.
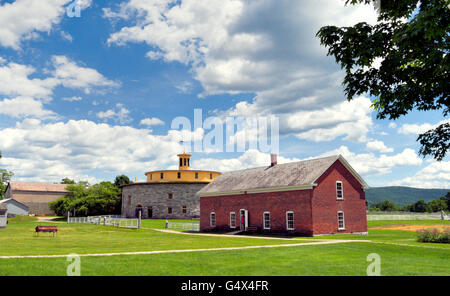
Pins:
<point x="338" y="259"/>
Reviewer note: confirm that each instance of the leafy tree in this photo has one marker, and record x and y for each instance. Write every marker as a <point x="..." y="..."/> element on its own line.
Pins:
<point x="446" y="199"/>
<point x="5" y="177"/>
<point x="419" y="206"/>
<point x="414" y="71"/>
<point x="99" y="199"/>
<point x="67" y="181"/>
<point x="437" y="205"/>
<point x="121" y="180"/>
<point x="385" y="205"/>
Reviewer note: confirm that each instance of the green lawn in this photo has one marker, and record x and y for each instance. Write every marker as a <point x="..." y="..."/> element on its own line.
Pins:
<point x="400" y="253"/>
<point x="19" y="239"/>
<point x="408" y="222"/>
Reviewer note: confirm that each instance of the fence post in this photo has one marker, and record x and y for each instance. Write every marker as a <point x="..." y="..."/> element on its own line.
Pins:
<point x="139" y="221"/>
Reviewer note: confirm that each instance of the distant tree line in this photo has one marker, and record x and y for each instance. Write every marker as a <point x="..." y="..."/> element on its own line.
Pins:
<point x="84" y="199"/>
<point x="420" y="206"/>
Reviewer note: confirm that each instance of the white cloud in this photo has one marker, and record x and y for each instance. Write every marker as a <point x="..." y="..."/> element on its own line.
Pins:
<point x="378" y="146"/>
<point x="72" y="99"/>
<point x="392" y="125"/>
<point x="435" y="175"/>
<point x="66" y="36"/>
<point x="15" y="78"/>
<point x="25" y="107"/>
<point x="249" y="159"/>
<point x="365" y="164"/>
<point x="151" y="121"/>
<point x="19" y="87"/>
<point x="417" y="129"/>
<point x="120" y="114"/>
<point x="49" y="152"/>
<point x="368" y="164"/>
<point x="184" y="87"/>
<point x="71" y="75"/>
<point x="23" y="19"/>
<point x="15" y="81"/>
<point x="232" y="49"/>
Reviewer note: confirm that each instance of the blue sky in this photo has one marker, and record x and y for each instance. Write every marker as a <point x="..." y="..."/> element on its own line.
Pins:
<point x="92" y="97"/>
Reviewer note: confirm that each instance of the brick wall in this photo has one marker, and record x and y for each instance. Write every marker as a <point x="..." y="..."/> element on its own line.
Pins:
<point x="326" y="206"/>
<point x="312" y="216"/>
<point x="156" y="196"/>
<point x="277" y="203"/>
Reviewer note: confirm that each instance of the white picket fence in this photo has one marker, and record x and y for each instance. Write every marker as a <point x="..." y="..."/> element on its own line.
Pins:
<point x="3" y="221"/>
<point x="109" y="220"/>
<point x="375" y="216"/>
<point x="193" y="226"/>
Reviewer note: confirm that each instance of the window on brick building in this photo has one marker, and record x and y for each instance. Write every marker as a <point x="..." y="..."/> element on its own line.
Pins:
<point x="179" y="175"/>
<point x="232" y="220"/>
<point x="210" y="176"/>
<point x="290" y="220"/>
<point x="212" y="219"/>
<point x="184" y="209"/>
<point x="266" y="220"/>
<point x="196" y="175"/>
<point x="129" y="200"/>
<point x="162" y="175"/>
<point x="341" y="222"/>
<point x="339" y="190"/>
<point x="170" y="195"/>
<point x="169" y="210"/>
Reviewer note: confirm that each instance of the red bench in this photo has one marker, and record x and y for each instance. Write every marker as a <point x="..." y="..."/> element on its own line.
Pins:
<point x="52" y="229"/>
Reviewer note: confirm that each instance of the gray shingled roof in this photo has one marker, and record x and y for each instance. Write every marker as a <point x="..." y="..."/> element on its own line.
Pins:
<point x="301" y="173"/>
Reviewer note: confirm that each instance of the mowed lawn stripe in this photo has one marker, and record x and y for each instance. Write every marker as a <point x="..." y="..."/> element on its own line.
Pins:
<point x="336" y="259"/>
<point x="19" y="239"/>
<point x="186" y="250"/>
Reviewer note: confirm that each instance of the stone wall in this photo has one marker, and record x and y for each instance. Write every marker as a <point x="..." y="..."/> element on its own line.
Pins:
<point x="156" y="197"/>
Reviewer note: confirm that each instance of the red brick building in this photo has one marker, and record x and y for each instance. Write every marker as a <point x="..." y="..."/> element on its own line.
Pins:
<point x="311" y="197"/>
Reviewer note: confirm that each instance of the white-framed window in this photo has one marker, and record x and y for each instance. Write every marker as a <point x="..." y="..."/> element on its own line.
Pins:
<point x="339" y="190"/>
<point x="290" y="220"/>
<point x="212" y="219"/>
<point x="341" y="222"/>
<point x="266" y="220"/>
<point x="232" y="220"/>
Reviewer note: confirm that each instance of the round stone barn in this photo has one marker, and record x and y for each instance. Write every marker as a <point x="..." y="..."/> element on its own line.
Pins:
<point x="167" y="194"/>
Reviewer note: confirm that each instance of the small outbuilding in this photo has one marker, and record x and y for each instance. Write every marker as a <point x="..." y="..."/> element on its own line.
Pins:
<point x="36" y="196"/>
<point x="14" y="207"/>
<point x="310" y="197"/>
<point x="3" y="217"/>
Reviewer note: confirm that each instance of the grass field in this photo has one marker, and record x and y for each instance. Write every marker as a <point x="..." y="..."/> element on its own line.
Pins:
<point x="400" y="253"/>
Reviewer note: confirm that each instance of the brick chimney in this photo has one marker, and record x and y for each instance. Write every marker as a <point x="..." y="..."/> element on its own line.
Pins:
<point x="273" y="159"/>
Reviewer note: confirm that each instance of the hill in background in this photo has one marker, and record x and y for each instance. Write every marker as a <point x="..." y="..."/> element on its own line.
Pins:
<point x="401" y="195"/>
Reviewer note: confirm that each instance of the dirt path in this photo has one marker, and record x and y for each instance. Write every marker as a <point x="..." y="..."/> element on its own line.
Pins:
<point x="47" y="219"/>
<point x="408" y="227"/>
<point x="186" y="251"/>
